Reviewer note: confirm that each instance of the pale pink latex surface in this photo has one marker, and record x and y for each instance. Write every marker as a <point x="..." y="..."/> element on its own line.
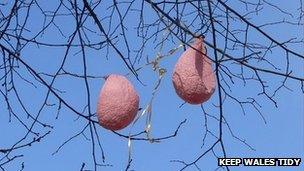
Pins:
<point x="193" y="77"/>
<point x="118" y="103"/>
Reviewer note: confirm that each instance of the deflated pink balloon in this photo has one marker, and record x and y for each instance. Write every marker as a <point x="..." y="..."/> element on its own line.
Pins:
<point x="193" y="77"/>
<point x="118" y="103"/>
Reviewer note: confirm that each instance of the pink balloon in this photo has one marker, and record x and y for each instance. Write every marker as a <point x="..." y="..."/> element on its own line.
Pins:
<point x="118" y="103"/>
<point x="193" y="77"/>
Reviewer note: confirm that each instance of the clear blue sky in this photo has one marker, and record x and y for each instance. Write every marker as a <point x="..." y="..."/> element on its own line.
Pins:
<point x="282" y="136"/>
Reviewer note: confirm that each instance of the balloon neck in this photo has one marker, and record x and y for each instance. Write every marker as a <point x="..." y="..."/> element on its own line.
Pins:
<point x="200" y="36"/>
<point x="105" y="77"/>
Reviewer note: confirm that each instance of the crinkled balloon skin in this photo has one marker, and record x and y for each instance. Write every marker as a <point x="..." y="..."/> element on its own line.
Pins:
<point x="118" y="103"/>
<point x="193" y="78"/>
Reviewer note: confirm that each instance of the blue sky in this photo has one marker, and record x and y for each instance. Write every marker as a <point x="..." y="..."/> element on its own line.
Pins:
<point x="282" y="136"/>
